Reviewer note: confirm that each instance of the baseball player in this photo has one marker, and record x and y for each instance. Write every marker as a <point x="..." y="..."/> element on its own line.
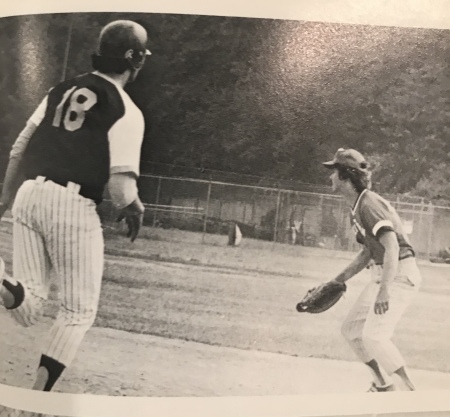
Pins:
<point x="396" y="279"/>
<point x="84" y="137"/>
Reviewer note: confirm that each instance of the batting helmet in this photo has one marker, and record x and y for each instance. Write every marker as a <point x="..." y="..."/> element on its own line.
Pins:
<point x="121" y="46"/>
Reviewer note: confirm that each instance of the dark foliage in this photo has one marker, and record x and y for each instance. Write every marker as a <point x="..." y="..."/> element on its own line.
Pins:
<point x="258" y="96"/>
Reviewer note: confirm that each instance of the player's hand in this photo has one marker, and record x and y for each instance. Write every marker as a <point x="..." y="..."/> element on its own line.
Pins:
<point x="134" y="216"/>
<point x="382" y="301"/>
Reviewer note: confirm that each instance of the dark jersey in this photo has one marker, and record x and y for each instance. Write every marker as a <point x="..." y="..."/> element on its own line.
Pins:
<point x="71" y="142"/>
<point x="371" y="216"/>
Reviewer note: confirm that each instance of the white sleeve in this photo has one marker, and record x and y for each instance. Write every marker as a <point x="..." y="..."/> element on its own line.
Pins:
<point x="39" y="113"/>
<point x="125" y="142"/>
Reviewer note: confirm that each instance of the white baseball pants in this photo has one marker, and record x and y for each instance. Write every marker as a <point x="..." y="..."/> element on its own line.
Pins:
<point x="55" y="227"/>
<point x="370" y="334"/>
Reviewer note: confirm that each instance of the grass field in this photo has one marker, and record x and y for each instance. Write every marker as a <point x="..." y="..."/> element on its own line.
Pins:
<point x="245" y="297"/>
<point x="180" y="288"/>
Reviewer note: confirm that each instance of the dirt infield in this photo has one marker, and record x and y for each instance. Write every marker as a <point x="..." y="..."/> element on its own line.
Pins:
<point x="113" y="362"/>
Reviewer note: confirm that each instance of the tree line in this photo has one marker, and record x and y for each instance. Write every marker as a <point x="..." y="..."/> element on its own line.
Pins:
<point x="264" y="97"/>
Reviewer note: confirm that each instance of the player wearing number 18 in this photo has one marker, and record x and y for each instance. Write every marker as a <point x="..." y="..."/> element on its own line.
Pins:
<point x="86" y="135"/>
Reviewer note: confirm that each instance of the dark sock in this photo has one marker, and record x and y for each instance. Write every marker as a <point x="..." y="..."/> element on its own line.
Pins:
<point x="54" y="368"/>
<point x="17" y="292"/>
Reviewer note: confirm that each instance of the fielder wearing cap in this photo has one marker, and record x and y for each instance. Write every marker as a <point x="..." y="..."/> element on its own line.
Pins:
<point x="386" y="250"/>
<point x="347" y="158"/>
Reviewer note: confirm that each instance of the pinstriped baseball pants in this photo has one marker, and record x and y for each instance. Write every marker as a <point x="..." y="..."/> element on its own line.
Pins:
<point x="370" y="334"/>
<point x="55" y="227"/>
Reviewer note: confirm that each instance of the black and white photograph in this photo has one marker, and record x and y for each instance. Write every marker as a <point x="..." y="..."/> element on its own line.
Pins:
<point x="218" y="206"/>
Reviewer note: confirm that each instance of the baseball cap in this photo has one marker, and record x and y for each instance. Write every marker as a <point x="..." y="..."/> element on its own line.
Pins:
<point x="347" y="158"/>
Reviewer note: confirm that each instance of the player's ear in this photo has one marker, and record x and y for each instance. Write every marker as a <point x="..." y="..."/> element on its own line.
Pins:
<point x="343" y="174"/>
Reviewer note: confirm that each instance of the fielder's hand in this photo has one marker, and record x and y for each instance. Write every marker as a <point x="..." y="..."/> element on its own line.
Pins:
<point x="134" y="216"/>
<point x="382" y="301"/>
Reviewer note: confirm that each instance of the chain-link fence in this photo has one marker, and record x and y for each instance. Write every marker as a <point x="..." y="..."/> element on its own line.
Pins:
<point x="293" y="217"/>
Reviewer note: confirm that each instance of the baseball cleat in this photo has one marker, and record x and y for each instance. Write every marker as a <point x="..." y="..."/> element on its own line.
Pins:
<point x="375" y="388"/>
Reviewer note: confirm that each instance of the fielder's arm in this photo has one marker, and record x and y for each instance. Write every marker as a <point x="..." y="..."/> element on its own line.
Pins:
<point x="391" y="254"/>
<point x="390" y="265"/>
<point x="359" y="263"/>
<point x="13" y="177"/>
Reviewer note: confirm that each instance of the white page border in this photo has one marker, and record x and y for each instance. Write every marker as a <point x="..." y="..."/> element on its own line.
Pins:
<point x="401" y="13"/>
<point x="84" y="405"/>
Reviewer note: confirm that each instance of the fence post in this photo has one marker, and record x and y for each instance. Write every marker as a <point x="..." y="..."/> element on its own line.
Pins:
<point x="277" y="214"/>
<point x="422" y="224"/>
<point x="430" y="229"/>
<point x="158" y="191"/>
<point x="206" y="211"/>
<point x="253" y="206"/>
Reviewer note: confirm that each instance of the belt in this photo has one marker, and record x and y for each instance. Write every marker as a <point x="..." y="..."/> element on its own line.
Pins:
<point x="71" y="186"/>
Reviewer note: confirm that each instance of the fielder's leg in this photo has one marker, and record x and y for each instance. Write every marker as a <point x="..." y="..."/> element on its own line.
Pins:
<point x="401" y="372"/>
<point x="410" y="273"/>
<point x="380" y="328"/>
<point x="353" y="331"/>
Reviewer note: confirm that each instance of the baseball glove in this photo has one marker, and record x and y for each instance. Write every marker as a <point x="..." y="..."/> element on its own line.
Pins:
<point x="322" y="298"/>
